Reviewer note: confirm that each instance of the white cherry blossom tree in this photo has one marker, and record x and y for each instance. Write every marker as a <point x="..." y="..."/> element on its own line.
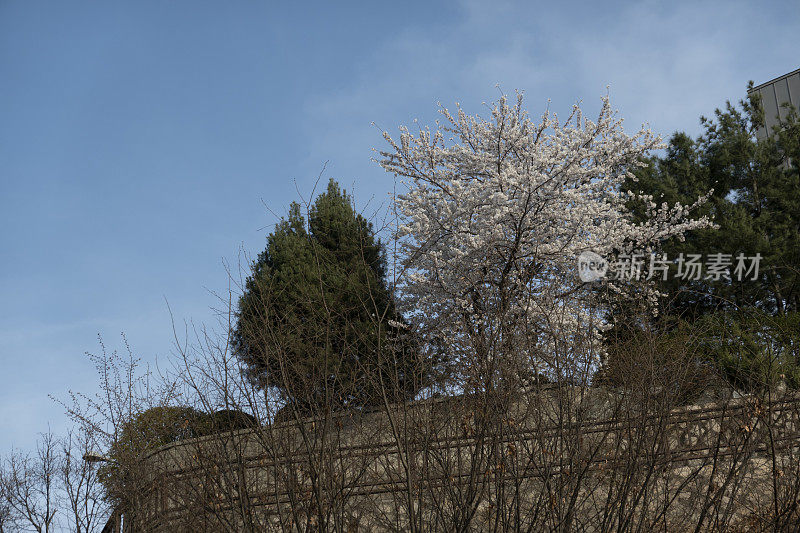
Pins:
<point x="495" y="214"/>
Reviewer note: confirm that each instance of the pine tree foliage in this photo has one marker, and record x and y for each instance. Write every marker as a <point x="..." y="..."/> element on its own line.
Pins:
<point x="755" y="203"/>
<point x="317" y="320"/>
<point x="750" y="325"/>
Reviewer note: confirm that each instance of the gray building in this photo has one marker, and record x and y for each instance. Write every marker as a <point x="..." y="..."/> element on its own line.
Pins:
<point x="783" y="89"/>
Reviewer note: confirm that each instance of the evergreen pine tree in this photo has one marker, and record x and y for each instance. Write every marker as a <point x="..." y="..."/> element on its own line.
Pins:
<point x="317" y="320"/>
<point x="756" y="203"/>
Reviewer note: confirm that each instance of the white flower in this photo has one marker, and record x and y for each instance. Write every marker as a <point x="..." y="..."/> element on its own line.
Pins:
<point x="495" y="217"/>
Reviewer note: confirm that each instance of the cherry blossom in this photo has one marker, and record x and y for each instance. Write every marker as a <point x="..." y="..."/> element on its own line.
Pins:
<point x="494" y="215"/>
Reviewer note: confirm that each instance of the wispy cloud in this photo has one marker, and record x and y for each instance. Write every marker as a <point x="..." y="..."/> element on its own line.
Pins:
<point x="665" y="64"/>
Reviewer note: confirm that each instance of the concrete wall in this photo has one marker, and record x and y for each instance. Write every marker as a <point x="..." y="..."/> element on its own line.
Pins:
<point x="378" y="470"/>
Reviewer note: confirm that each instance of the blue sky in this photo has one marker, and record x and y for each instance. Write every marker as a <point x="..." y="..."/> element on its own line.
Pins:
<point x="143" y="144"/>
